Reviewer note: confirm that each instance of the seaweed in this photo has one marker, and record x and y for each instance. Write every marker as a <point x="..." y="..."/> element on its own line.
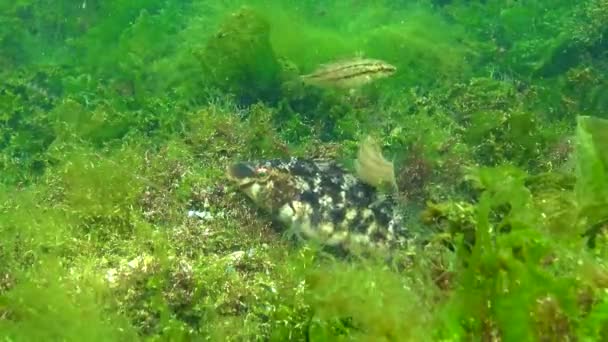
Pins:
<point x="239" y="58"/>
<point x="118" y="118"/>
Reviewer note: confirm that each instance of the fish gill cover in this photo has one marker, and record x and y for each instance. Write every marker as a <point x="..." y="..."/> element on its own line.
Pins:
<point x="118" y="120"/>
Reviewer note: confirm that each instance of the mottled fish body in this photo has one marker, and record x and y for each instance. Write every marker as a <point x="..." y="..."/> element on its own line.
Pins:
<point x="350" y="73"/>
<point x="320" y="200"/>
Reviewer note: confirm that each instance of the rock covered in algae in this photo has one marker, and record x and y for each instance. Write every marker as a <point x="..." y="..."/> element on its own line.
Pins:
<point x="239" y="57"/>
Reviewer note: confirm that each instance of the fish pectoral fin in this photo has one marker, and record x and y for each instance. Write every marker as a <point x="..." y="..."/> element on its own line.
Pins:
<point x="371" y="166"/>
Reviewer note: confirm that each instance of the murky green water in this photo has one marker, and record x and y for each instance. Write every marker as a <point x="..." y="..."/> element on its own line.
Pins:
<point x="118" y="120"/>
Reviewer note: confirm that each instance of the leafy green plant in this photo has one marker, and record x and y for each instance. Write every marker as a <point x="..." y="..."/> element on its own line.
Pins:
<point x="117" y="120"/>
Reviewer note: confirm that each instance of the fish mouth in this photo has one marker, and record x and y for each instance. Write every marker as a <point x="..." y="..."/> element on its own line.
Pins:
<point x="241" y="174"/>
<point x="244" y="176"/>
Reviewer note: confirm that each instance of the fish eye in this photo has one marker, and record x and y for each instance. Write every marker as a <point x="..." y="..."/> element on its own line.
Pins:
<point x="261" y="172"/>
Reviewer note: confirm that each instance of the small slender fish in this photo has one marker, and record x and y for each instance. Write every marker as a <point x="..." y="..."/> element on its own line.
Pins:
<point x="349" y="73"/>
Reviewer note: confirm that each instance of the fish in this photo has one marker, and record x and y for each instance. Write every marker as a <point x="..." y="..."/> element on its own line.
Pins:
<point x="349" y="73"/>
<point x="320" y="200"/>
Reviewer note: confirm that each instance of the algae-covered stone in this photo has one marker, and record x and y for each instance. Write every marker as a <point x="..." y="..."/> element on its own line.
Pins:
<point x="239" y="57"/>
<point x="451" y="217"/>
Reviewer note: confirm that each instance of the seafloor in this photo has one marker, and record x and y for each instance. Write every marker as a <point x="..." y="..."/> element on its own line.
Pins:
<point x="118" y="118"/>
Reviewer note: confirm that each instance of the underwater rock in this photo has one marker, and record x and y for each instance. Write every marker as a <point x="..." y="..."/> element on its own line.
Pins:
<point x="239" y="58"/>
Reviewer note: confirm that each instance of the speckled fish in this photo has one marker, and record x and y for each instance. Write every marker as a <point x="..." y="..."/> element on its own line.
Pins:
<point x="350" y="73"/>
<point x="320" y="200"/>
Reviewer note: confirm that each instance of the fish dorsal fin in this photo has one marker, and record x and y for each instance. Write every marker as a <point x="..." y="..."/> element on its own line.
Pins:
<point x="344" y="60"/>
<point x="372" y="168"/>
<point x="321" y="69"/>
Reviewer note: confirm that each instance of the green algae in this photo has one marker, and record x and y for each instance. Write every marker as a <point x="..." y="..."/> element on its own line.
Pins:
<point x="128" y="119"/>
<point x="239" y="58"/>
<point x="46" y="308"/>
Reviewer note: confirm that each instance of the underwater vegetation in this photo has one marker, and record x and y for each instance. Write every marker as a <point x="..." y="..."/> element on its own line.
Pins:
<point x="118" y="120"/>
